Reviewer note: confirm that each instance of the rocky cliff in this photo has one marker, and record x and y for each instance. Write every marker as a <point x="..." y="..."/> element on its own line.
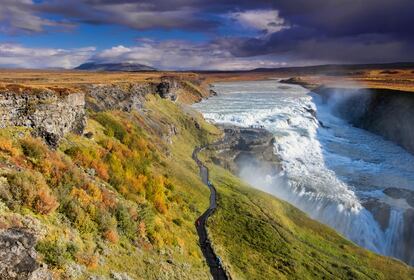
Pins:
<point x="50" y="112"/>
<point x="389" y="113"/>
<point x="250" y="148"/>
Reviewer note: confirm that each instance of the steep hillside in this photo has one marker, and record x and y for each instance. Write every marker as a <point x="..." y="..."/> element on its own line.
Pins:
<point x="261" y="237"/>
<point x="117" y="197"/>
<point x="121" y="198"/>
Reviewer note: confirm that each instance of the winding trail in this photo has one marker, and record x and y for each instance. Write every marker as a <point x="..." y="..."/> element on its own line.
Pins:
<point x="216" y="269"/>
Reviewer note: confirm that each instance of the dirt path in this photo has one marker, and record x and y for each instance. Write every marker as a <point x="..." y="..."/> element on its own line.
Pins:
<point x="212" y="259"/>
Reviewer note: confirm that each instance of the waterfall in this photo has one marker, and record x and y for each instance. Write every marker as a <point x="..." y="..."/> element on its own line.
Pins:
<point x="329" y="167"/>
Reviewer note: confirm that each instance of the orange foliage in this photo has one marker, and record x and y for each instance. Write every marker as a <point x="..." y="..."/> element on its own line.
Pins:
<point x="90" y="261"/>
<point x="138" y="183"/>
<point x="108" y="199"/>
<point x="6" y="145"/>
<point x="159" y="204"/>
<point x="81" y="195"/>
<point x="111" y="235"/>
<point x="94" y="191"/>
<point x="45" y="202"/>
<point x="101" y="169"/>
<point x="142" y="230"/>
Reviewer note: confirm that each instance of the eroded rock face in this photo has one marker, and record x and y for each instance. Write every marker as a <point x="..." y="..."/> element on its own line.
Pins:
<point x="117" y="97"/>
<point x="129" y="97"/>
<point x="401" y="194"/>
<point x="18" y="256"/>
<point x="380" y="210"/>
<point x="388" y="113"/>
<point x="243" y="147"/>
<point x="51" y="115"/>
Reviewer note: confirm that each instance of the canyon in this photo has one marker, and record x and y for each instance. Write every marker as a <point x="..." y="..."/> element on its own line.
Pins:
<point x="118" y="155"/>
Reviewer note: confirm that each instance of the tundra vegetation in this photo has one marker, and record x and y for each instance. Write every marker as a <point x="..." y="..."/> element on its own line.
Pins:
<point x="123" y="198"/>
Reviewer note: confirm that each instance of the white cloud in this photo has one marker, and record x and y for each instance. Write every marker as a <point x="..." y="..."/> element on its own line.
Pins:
<point x="14" y="55"/>
<point x="267" y="21"/>
<point x="182" y="55"/>
<point x="165" y="55"/>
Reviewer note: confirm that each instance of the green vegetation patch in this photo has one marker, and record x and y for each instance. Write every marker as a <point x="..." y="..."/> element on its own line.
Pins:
<point x="261" y="237"/>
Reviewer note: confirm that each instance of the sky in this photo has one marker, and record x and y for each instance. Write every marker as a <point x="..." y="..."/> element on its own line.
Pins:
<point x="205" y="34"/>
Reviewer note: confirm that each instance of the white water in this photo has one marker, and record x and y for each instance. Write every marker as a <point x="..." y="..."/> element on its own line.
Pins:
<point x="328" y="170"/>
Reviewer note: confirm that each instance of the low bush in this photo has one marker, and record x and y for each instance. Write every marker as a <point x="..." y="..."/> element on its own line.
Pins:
<point x="29" y="188"/>
<point x="33" y="148"/>
<point x="112" y="126"/>
<point x="56" y="253"/>
<point x="6" y="145"/>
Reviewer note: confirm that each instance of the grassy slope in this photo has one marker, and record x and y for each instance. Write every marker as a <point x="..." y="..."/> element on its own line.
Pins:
<point x="261" y="237"/>
<point x="258" y="236"/>
<point x="146" y="230"/>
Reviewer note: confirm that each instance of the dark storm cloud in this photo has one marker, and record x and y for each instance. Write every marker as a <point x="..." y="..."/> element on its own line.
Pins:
<point x="332" y="18"/>
<point x="303" y="30"/>
<point x="339" y="31"/>
<point x="349" y="17"/>
<point x="195" y="15"/>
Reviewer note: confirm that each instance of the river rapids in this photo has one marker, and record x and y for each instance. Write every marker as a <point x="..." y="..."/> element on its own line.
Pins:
<point x="334" y="172"/>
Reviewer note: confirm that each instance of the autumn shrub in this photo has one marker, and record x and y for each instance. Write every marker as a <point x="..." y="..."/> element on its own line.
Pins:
<point x="29" y="188"/>
<point x="91" y="158"/>
<point x="112" y="126"/>
<point x="56" y="253"/>
<point x="125" y="223"/>
<point x="33" y="148"/>
<point x="78" y="216"/>
<point x="88" y="259"/>
<point x="111" y="235"/>
<point x="6" y="145"/>
<point x="108" y="199"/>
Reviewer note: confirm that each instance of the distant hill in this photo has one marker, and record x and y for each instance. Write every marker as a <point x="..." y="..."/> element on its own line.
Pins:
<point x="338" y="67"/>
<point x="320" y="69"/>
<point x="126" y="67"/>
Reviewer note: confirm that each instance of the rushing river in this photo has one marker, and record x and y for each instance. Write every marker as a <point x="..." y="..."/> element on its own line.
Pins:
<point x="331" y="170"/>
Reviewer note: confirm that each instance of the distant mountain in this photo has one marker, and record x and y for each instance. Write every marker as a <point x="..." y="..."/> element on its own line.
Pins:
<point x="127" y="67"/>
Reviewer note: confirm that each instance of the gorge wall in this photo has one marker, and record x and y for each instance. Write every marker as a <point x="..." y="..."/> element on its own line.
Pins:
<point x="53" y="112"/>
<point x="389" y="113"/>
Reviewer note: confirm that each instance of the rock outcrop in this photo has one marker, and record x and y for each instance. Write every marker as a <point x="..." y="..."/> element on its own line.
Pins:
<point x="243" y="147"/>
<point x="50" y="113"/>
<point x="130" y="96"/>
<point x="117" y="97"/>
<point x="18" y="256"/>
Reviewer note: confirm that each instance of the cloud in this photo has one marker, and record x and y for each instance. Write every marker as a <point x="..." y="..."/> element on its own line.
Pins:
<point x="304" y="46"/>
<point x="18" y="56"/>
<point x="139" y="15"/>
<point x="300" y="31"/>
<point x="183" y="55"/>
<point x="20" y="16"/>
<point x="164" y="55"/>
<point x="266" y="21"/>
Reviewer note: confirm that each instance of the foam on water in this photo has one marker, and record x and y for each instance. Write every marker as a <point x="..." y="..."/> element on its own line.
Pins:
<point x="329" y="167"/>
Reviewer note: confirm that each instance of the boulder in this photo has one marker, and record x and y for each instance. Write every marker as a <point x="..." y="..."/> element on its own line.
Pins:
<point x="18" y="256"/>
